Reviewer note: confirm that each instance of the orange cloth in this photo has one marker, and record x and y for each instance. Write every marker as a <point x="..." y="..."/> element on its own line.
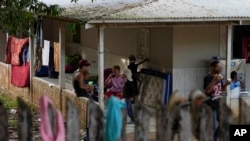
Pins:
<point x="56" y="57"/>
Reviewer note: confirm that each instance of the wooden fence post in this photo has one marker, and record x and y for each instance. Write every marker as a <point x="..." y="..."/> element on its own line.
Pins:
<point x="141" y="122"/>
<point x="96" y="121"/>
<point x="226" y="118"/>
<point x="3" y="123"/>
<point x="73" y="122"/>
<point x="244" y="110"/>
<point x="24" y="121"/>
<point x="124" y="122"/>
<point x="201" y="116"/>
<point x="163" y="123"/>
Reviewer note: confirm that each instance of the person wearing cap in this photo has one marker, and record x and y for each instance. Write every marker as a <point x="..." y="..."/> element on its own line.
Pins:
<point x="213" y="87"/>
<point x="129" y="92"/>
<point x="116" y="81"/>
<point x="81" y="89"/>
<point x="133" y="66"/>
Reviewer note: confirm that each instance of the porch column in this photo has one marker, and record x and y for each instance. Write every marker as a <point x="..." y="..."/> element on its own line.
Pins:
<point x="62" y="60"/>
<point x="31" y="59"/>
<point x="101" y="67"/>
<point x="228" y="60"/>
<point x="62" y="55"/>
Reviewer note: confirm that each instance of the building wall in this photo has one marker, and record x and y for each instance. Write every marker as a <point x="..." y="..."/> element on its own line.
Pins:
<point x="161" y="48"/>
<point x="193" y="47"/>
<point x="120" y="43"/>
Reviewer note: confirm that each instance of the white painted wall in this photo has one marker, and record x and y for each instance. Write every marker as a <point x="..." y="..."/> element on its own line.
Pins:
<point x="2" y="46"/>
<point x="193" y="47"/>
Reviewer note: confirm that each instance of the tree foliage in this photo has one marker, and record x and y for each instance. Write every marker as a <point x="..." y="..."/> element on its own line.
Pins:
<point x="17" y="15"/>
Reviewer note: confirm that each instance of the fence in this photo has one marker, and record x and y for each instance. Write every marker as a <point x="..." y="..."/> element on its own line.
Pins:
<point x="183" y="119"/>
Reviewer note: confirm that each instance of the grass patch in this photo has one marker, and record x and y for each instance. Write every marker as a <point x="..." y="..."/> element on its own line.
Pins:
<point x="12" y="123"/>
<point x="8" y="102"/>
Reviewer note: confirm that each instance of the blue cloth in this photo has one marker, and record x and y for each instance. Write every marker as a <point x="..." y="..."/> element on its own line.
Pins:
<point x="114" y="119"/>
<point x="234" y="85"/>
<point x="25" y="54"/>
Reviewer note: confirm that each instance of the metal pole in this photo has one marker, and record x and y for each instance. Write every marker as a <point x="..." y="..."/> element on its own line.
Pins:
<point x="62" y="59"/>
<point x="101" y="68"/>
<point x="228" y="60"/>
<point x="31" y="57"/>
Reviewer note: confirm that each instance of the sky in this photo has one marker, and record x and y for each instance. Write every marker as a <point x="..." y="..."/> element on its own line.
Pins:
<point x="68" y="2"/>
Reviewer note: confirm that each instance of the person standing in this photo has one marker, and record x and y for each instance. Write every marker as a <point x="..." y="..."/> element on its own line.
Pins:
<point x="213" y="86"/>
<point x="133" y="66"/>
<point x="129" y="93"/>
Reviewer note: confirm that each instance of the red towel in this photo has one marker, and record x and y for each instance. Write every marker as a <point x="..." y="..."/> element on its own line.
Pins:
<point x="14" y="50"/>
<point x="20" y="75"/>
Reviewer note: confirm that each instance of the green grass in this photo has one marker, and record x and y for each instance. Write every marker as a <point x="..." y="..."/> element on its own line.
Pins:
<point x="12" y="123"/>
<point x="8" y="102"/>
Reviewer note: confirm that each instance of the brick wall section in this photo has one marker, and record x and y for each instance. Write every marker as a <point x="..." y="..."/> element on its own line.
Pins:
<point x="80" y="103"/>
<point x="41" y="87"/>
<point x="4" y="81"/>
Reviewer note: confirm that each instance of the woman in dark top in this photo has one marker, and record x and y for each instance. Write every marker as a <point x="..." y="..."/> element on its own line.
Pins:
<point x="81" y="89"/>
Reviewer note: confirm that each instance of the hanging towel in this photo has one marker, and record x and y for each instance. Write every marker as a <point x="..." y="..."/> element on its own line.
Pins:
<point x="17" y="46"/>
<point x="14" y="50"/>
<point x="20" y="75"/>
<point x="46" y="128"/>
<point x="45" y="53"/>
<point x="113" y="125"/>
<point x="56" y="56"/>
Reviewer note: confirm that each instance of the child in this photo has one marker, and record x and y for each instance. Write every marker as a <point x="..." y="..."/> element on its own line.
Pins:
<point x="235" y="82"/>
<point x="116" y="81"/>
<point x="129" y="92"/>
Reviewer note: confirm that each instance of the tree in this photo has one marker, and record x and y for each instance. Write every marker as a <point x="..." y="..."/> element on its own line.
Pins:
<point x="17" y="15"/>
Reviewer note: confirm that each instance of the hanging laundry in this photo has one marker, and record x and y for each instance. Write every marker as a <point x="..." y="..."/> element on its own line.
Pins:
<point x="7" y="58"/>
<point x="38" y="26"/>
<point x="25" y="54"/>
<point x="52" y="126"/>
<point x="14" y="50"/>
<point x="56" y="57"/>
<point x="38" y="44"/>
<point x="51" y="67"/>
<point x="20" y="75"/>
<point x="38" y="58"/>
<point x="45" y="53"/>
<point x="113" y="127"/>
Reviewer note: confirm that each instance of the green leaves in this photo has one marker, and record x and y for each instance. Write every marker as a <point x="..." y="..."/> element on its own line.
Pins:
<point x="17" y="15"/>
